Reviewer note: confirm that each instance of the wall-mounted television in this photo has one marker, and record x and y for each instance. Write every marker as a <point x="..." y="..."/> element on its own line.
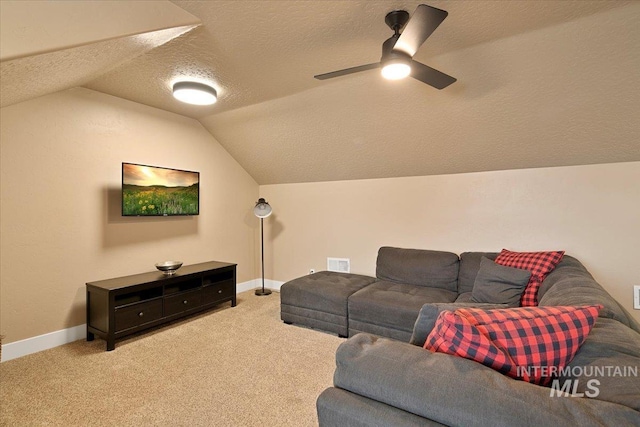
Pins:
<point x="158" y="191"/>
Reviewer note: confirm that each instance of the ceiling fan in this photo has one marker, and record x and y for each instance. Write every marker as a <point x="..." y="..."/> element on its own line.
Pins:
<point x="398" y="50"/>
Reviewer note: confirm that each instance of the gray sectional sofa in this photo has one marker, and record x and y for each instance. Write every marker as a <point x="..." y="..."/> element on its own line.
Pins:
<point x="384" y="377"/>
<point x="386" y="305"/>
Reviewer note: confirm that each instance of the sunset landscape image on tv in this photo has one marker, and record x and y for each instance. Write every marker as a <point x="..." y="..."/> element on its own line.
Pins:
<point x="157" y="191"/>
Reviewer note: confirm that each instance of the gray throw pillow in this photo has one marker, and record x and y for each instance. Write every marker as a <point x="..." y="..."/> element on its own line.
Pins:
<point x="497" y="284"/>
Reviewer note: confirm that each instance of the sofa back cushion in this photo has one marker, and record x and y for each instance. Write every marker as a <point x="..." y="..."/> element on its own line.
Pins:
<point x="571" y="284"/>
<point x="418" y="267"/>
<point x="469" y="267"/>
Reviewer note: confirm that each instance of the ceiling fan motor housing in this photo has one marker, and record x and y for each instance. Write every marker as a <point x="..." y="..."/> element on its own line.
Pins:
<point x="397" y="19"/>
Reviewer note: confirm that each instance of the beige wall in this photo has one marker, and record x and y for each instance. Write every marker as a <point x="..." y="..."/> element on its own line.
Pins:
<point x="61" y="225"/>
<point x="592" y="212"/>
<point x="60" y="214"/>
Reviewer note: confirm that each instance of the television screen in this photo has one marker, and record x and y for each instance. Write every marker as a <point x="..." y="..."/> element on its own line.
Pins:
<point x="157" y="191"/>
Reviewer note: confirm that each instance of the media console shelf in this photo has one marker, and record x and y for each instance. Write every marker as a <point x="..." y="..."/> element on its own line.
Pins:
<point x="126" y="305"/>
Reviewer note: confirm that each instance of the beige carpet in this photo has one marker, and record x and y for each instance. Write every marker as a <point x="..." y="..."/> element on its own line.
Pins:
<point x="238" y="366"/>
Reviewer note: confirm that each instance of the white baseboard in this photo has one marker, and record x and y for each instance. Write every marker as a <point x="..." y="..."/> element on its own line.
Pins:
<point x="21" y="348"/>
<point x="274" y="285"/>
<point x="16" y="349"/>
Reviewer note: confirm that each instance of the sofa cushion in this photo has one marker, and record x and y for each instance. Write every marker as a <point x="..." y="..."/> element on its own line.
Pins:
<point x="538" y="263"/>
<point x="320" y="300"/>
<point x="611" y="356"/>
<point x="464" y="298"/>
<point x="324" y="291"/>
<point x="523" y="343"/>
<point x="394" y="305"/>
<point x="469" y="267"/>
<point x="418" y="267"/>
<point x="497" y="284"/>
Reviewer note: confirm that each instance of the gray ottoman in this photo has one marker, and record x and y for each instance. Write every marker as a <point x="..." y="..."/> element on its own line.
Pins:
<point x="319" y="300"/>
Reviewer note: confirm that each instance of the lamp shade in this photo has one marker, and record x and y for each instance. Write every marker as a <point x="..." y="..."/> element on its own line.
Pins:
<point x="262" y="208"/>
<point x="195" y="93"/>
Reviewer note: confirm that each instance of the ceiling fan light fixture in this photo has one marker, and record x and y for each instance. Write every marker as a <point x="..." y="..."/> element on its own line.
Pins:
<point x="398" y="50"/>
<point x="395" y="65"/>
<point x="195" y="93"/>
<point x="396" y="70"/>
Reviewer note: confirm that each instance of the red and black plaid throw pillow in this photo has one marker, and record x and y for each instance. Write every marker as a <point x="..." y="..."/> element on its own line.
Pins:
<point x="538" y="263"/>
<point x="531" y="344"/>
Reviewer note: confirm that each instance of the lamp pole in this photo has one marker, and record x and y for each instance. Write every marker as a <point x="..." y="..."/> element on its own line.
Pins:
<point x="260" y="206"/>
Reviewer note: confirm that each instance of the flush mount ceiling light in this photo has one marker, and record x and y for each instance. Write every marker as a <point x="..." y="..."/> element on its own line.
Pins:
<point x="194" y="93"/>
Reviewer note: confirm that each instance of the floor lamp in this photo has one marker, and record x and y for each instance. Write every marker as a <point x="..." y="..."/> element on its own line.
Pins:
<point x="262" y="210"/>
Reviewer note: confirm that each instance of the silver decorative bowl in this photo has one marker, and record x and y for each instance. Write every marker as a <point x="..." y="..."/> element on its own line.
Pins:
<point x="169" y="267"/>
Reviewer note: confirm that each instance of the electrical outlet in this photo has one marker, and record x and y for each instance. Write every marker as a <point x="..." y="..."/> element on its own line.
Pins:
<point x="312" y="270"/>
<point x="636" y="297"/>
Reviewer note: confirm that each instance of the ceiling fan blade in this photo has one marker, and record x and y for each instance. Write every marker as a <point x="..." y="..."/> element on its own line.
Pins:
<point x="347" y="71"/>
<point x="430" y="76"/>
<point x="423" y="22"/>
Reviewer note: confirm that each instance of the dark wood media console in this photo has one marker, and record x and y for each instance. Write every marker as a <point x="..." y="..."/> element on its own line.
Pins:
<point x="126" y="305"/>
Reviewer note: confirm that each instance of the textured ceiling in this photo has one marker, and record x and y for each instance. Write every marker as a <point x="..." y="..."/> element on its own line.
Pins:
<point x="539" y="84"/>
<point x="32" y="76"/>
<point x="48" y="46"/>
<point x="255" y="51"/>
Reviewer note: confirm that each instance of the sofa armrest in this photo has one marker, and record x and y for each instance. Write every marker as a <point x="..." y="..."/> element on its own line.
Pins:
<point x="340" y="408"/>
<point x="429" y="313"/>
<point x="456" y="391"/>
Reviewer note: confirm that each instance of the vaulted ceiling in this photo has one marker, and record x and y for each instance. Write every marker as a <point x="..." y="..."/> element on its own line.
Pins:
<point x="539" y="83"/>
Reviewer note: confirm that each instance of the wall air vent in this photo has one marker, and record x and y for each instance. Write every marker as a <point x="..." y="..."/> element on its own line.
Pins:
<point x="341" y="265"/>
